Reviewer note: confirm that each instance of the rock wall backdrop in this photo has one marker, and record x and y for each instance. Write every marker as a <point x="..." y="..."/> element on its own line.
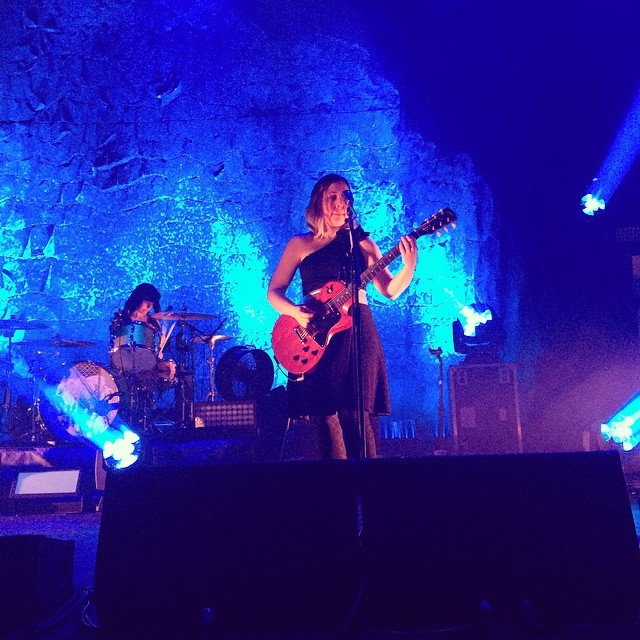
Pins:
<point x="177" y="143"/>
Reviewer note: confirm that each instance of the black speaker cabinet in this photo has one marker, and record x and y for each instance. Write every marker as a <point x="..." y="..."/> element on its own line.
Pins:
<point x="485" y="409"/>
<point x="267" y="547"/>
<point x="548" y="534"/>
<point x="246" y="547"/>
<point x="37" y="579"/>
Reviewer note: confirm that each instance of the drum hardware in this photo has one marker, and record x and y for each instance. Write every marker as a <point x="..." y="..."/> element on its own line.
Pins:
<point x="37" y="431"/>
<point x="8" y="328"/>
<point x="211" y="342"/>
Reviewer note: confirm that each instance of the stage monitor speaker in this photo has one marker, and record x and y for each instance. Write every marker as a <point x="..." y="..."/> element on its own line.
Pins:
<point x="246" y="547"/>
<point x="551" y="533"/>
<point x="485" y="408"/>
<point x="37" y="579"/>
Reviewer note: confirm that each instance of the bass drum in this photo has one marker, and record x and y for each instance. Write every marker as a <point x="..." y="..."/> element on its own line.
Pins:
<point x="244" y="373"/>
<point x="88" y="390"/>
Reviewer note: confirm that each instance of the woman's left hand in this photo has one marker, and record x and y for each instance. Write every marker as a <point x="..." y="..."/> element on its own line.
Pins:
<point x="408" y="250"/>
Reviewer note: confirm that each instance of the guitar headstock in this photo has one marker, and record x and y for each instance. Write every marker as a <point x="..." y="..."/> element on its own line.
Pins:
<point x="437" y="223"/>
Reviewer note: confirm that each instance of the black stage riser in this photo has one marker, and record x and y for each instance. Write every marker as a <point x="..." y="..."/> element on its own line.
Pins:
<point x="277" y="546"/>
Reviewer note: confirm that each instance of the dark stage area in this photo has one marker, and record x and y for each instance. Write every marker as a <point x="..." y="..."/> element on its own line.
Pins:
<point x="493" y="546"/>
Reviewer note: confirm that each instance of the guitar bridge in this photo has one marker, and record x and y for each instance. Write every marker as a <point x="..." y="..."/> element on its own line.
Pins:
<point x="301" y="333"/>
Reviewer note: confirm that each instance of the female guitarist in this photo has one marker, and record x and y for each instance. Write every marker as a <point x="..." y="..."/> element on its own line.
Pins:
<point x="326" y="394"/>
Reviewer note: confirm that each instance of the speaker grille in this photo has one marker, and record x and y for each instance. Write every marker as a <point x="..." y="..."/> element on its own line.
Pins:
<point x="230" y="419"/>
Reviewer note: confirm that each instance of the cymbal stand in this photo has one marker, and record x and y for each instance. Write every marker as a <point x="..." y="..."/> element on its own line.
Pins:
<point x="211" y="343"/>
<point x="7" y="403"/>
<point x="184" y="347"/>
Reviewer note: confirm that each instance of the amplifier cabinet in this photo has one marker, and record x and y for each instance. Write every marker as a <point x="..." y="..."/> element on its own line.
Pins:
<point x="485" y="408"/>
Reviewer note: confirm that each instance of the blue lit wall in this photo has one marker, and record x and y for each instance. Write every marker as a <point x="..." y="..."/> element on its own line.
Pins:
<point x="177" y="144"/>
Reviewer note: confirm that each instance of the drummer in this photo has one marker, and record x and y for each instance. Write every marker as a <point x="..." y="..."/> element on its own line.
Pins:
<point x="144" y="299"/>
<point x="139" y="304"/>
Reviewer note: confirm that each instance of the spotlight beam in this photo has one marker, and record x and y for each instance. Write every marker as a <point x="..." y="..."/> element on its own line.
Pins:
<point x="622" y="152"/>
<point x="120" y="446"/>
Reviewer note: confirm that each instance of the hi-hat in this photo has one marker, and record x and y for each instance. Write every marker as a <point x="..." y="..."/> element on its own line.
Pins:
<point x="182" y="315"/>
<point x="211" y="340"/>
<point x="13" y="324"/>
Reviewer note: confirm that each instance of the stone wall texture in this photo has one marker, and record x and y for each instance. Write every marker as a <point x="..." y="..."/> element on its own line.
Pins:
<point x="177" y="143"/>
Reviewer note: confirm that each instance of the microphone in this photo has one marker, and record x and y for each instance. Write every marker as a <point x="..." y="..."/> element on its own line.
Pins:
<point x="348" y="198"/>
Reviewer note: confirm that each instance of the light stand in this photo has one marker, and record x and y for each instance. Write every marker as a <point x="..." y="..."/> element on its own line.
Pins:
<point x="440" y="449"/>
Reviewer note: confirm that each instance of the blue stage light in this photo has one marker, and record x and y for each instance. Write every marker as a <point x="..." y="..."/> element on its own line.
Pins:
<point x="620" y="156"/>
<point x="120" y="445"/>
<point x="478" y="332"/>
<point x="624" y="427"/>
<point x="472" y="316"/>
<point x="592" y="203"/>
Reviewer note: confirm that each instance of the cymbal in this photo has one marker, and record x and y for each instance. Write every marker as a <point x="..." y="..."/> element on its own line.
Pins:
<point x="55" y="343"/>
<point x="13" y="324"/>
<point x="211" y="340"/>
<point x="182" y="315"/>
<point x="61" y="342"/>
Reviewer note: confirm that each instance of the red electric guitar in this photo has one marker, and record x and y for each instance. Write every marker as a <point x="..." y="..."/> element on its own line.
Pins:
<point x="298" y="349"/>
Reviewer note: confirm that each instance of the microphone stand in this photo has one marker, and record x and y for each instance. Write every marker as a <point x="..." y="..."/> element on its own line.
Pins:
<point x="356" y="344"/>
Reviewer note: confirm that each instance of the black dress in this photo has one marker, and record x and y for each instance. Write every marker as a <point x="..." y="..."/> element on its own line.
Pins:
<point x="329" y="387"/>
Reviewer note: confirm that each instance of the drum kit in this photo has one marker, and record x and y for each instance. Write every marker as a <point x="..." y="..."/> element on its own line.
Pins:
<point x="148" y="363"/>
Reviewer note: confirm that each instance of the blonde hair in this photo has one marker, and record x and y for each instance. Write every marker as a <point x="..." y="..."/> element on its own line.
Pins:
<point x="313" y="213"/>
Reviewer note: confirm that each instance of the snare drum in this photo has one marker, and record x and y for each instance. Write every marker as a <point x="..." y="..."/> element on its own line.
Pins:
<point x="167" y="371"/>
<point x="134" y="347"/>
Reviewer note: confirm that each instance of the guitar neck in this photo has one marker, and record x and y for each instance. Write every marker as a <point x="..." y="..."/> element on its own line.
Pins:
<point x="444" y="217"/>
<point x="368" y="275"/>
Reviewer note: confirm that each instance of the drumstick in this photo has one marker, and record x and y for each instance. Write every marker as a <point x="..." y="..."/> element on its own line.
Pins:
<point x="163" y="340"/>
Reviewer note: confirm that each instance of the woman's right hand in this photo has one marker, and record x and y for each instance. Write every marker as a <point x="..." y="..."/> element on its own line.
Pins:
<point x="302" y="315"/>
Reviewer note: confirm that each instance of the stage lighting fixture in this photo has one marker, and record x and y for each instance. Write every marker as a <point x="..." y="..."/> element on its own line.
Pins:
<point x="620" y="157"/>
<point x="477" y="332"/>
<point x="592" y="203"/>
<point x="624" y="427"/>
<point x="120" y="445"/>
